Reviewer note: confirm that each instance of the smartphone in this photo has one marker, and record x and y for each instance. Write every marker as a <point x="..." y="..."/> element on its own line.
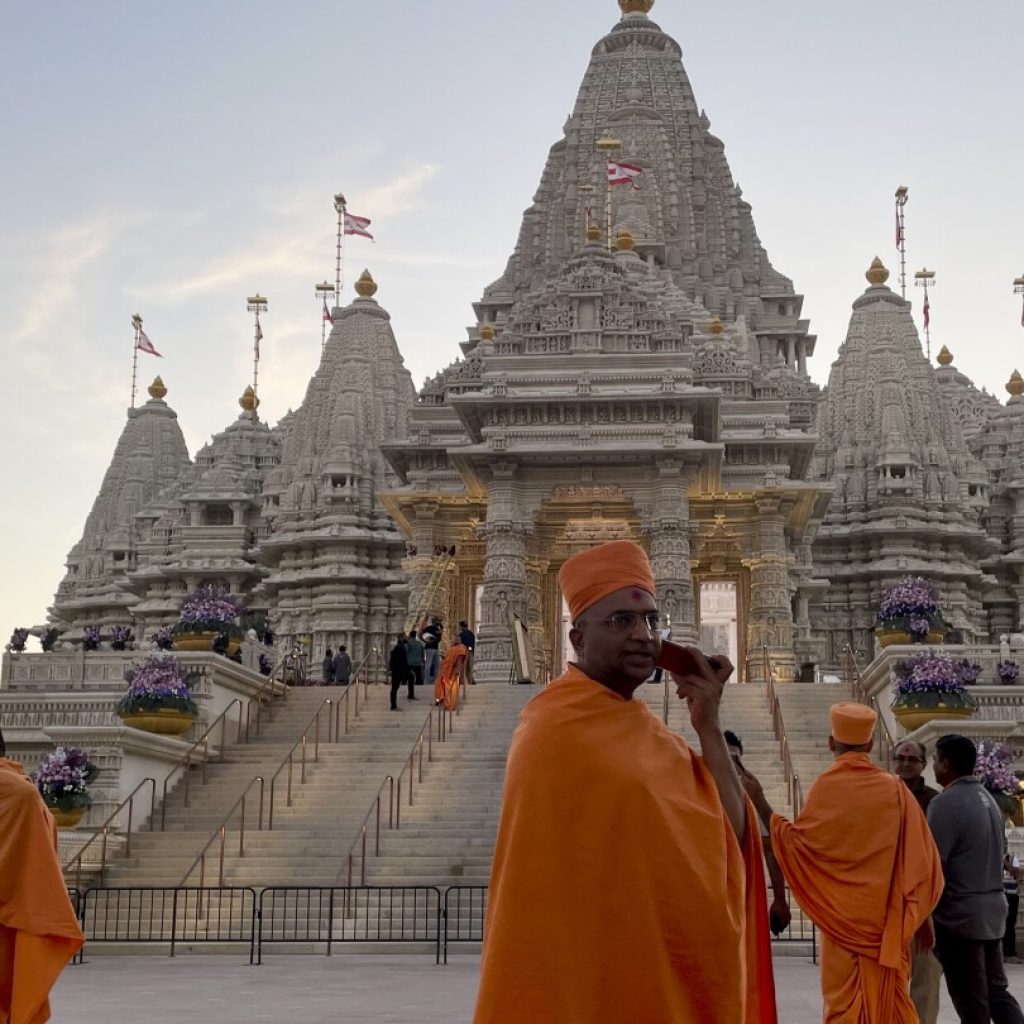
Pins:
<point x="680" y="660"/>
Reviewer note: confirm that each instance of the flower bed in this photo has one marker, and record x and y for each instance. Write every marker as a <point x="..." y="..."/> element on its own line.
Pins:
<point x="1007" y="672"/>
<point x="159" y="682"/>
<point x="63" y="779"/>
<point x="930" y="686"/>
<point x="909" y="606"/>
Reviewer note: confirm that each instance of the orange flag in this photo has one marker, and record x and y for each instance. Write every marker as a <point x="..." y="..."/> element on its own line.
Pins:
<point x="619" y="891"/>
<point x="39" y="933"/>
<point x="862" y="864"/>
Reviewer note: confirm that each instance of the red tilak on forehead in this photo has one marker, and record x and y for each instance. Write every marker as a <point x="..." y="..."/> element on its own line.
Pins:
<point x="637" y="595"/>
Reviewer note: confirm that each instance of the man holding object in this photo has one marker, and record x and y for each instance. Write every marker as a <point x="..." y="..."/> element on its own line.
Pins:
<point x="615" y="836"/>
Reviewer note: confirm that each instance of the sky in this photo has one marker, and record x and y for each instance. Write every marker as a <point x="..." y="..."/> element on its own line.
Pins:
<point x="172" y="159"/>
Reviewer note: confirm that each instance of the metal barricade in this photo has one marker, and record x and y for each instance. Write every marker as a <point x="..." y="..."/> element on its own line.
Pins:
<point x="174" y="915"/>
<point x="349" y="914"/>
<point x="465" y="909"/>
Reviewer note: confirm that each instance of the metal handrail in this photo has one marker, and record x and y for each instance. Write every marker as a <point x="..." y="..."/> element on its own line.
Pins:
<point x="221" y="832"/>
<point x="204" y="742"/>
<point x="289" y="758"/>
<point x="793" y="785"/>
<point x="104" y="829"/>
<point x="857" y="689"/>
<point x="444" y="728"/>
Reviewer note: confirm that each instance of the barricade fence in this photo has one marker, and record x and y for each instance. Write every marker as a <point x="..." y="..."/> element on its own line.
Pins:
<point x="327" y="916"/>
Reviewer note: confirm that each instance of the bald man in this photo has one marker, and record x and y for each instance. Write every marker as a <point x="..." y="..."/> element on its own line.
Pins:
<point x="39" y="932"/>
<point x="627" y="883"/>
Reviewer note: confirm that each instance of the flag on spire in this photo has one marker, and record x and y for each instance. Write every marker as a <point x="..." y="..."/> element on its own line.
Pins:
<point x="927" y="312"/>
<point x="145" y="345"/>
<point x="259" y="338"/>
<point x="623" y="174"/>
<point x="328" y="319"/>
<point x="357" y="226"/>
<point x="899" y="228"/>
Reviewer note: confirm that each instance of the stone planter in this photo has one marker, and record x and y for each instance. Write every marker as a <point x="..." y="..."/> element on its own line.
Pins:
<point x="67" y="819"/>
<point x="889" y="637"/>
<point x="912" y="718"/>
<point x="164" y="721"/>
<point x="199" y="642"/>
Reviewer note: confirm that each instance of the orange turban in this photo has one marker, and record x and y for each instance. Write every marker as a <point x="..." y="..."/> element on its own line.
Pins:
<point x="597" y="572"/>
<point x="851" y="723"/>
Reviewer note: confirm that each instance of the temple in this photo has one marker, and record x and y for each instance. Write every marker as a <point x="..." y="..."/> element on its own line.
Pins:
<point x="640" y="369"/>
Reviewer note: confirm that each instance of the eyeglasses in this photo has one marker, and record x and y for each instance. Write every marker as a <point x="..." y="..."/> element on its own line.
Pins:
<point x="626" y="622"/>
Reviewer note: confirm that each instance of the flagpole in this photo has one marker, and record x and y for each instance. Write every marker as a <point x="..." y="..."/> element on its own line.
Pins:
<point x="137" y="324"/>
<point x="608" y="146"/>
<point x="339" y="206"/>
<point x="925" y="279"/>
<point x="902" y="195"/>
<point x="322" y="291"/>
<point x="256" y="304"/>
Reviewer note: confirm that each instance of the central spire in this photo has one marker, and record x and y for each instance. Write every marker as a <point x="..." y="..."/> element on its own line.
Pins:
<point x="635" y="6"/>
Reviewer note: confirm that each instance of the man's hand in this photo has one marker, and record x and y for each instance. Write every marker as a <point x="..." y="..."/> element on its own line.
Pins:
<point x="702" y="691"/>
<point x="779" y="916"/>
<point x="924" y="938"/>
<point x="751" y="785"/>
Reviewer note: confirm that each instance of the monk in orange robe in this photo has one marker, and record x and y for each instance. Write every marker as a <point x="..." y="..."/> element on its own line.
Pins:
<point x="39" y="933"/>
<point x="861" y="862"/>
<point x="627" y="885"/>
<point x="449" y="678"/>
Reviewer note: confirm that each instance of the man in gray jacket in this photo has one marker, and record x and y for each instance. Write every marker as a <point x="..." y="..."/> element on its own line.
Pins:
<point x="971" y="915"/>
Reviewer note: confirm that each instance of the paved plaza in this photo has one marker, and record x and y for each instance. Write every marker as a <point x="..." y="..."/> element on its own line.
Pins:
<point x="317" y="990"/>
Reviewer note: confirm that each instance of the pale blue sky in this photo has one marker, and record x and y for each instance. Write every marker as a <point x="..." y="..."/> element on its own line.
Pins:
<point x="173" y="158"/>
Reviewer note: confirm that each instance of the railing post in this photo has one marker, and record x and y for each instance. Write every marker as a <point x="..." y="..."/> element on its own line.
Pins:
<point x="376" y="851"/>
<point x="362" y="870"/>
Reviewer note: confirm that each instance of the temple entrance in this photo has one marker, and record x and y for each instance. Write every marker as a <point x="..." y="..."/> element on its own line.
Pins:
<point x="718" y="616"/>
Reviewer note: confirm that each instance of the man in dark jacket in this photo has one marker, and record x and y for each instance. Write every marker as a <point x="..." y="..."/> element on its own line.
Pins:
<point x="342" y="667"/>
<point x="468" y="640"/>
<point x="398" y="667"/>
<point x="328" y="667"/>
<point x="431" y="637"/>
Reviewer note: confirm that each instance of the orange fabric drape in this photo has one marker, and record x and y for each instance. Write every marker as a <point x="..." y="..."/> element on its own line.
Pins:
<point x="861" y="862"/>
<point x="449" y="678"/>
<point x="619" y="891"/>
<point x="39" y="933"/>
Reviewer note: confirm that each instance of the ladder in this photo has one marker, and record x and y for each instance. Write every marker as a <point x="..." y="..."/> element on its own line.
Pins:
<point x="441" y="566"/>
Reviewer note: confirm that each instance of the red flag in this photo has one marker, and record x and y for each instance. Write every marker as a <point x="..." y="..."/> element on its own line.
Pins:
<point x="145" y="345"/>
<point x="328" y="319"/>
<point x="927" y="312"/>
<point x="623" y="174"/>
<point x="357" y="225"/>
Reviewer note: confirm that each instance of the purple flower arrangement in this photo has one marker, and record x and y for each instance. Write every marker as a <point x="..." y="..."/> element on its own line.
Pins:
<point x="163" y="639"/>
<point x="969" y="671"/>
<point x="210" y="608"/>
<point x="1007" y="672"/>
<point x="18" y="640"/>
<point x="909" y="605"/>
<point x="266" y="665"/>
<point x="91" y="638"/>
<point x="993" y="769"/>
<point x="930" y="680"/>
<point x="49" y="638"/>
<point x="157" y="682"/>
<point x="63" y="779"/>
<point x="121" y="637"/>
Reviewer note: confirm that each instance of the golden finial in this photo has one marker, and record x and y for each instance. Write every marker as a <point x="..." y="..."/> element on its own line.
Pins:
<point x="366" y="287"/>
<point x="249" y="402"/>
<point x="486" y="332"/>
<point x="877" y="274"/>
<point x="624" y="241"/>
<point x="1015" y="385"/>
<point x="635" y="6"/>
<point x="945" y="357"/>
<point x="593" y="233"/>
<point x="157" y="389"/>
<point x="716" y="327"/>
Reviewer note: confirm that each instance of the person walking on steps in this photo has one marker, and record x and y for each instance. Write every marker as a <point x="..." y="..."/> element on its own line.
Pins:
<point x="414" y="659"/>
<point x="468" y="640"/>
<point x="398" y="667"/>
<point x="431" y="637"/>
<point x="342" y="667"/>
<point x="327" y="671"/>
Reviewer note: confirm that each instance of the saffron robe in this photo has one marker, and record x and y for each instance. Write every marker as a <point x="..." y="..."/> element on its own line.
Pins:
<point x="619" y="892"/>
<point x="861" y="862"/>
<point x="39" y="932"/>
<point x="449" y="679"/>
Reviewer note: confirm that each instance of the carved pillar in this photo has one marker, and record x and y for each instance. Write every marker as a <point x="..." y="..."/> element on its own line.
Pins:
<point x="505" y="538"/>
<point x="540" y="638"/>
<point x="771" y="615"/>
<point x="668" y="531"/>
